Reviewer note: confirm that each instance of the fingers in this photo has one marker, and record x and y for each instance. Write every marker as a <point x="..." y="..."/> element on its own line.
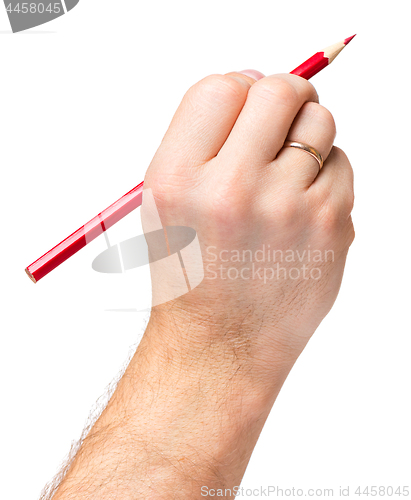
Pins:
<point x="204" y="120"/>
<point x="256" y="75"/>
<point x="314" y="125"/>
<point x="333" y="187"/>
<point x="264" y="122"/>
<point x="243" y="124"/>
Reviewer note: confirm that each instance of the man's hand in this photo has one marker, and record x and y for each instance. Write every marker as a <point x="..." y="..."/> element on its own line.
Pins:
<point x="274" y="231"/>
<point x="187" y="413"/>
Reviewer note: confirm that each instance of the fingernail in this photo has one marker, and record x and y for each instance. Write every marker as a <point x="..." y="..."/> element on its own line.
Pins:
<point x="252" y="73"/>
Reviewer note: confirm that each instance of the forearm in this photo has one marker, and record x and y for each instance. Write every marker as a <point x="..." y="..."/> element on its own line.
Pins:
<point x="190" y="407"/>
<point x="185" y="415"/>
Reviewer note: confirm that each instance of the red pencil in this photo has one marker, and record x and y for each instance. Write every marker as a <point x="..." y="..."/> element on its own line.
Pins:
<point x="133" y="199"/>
<point x="320" y="60"/>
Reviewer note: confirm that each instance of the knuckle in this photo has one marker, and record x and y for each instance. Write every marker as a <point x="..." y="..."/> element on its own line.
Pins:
<point x="286" y="213"/>
<point x="329" y="218"/>
<point x="220" y="88"/>
<point x="346" y="180"/>
<point x="161" y="189"/>
<point x="349" y="201"/>
<point x="339" y="155"/>
<point x="334" y="225"/>
<point x="283" y="212"/>
<point x="170" y="189"/>
<point x="334" y="214"/>
<point x="227" y="208"/>
<point x="274" y="89"/>
<point x="322" y="114"/>
<point x="350" y="233"/>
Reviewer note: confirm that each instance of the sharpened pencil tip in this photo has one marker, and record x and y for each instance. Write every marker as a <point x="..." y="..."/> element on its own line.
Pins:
<point x="348" y="40"/>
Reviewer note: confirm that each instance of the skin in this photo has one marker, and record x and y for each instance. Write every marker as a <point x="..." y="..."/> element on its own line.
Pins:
<point x="189" y="408"/>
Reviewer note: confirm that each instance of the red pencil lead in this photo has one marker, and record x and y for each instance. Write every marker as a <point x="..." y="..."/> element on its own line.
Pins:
<point x="348" y="40"/>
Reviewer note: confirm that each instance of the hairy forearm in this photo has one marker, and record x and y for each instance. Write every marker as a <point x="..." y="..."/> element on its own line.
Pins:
<point x="193" y="400"/>
<point x="186" y="414"/>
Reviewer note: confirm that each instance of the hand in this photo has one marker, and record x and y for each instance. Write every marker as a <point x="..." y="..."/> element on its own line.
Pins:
<point x="188" y="411"/>
<point x="222" y="170"/>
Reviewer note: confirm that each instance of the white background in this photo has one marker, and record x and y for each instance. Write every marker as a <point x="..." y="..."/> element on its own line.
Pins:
<point x="84" y="103"/>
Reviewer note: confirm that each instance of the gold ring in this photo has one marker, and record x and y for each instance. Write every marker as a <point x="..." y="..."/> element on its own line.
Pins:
<point x="305" y="147"/>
